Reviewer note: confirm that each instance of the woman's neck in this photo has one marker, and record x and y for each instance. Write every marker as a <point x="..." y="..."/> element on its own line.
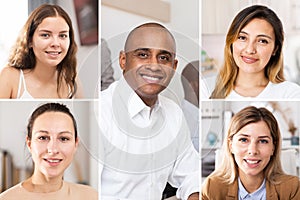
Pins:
<point x="250" y="85"/>
<point x="251" y="80"/>
<point x="45" y="74"/>
<point x="40" y="184"/>
<point x="251" y="183"/>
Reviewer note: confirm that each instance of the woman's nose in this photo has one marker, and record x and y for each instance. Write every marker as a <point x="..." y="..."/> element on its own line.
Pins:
<point x="52" y="147"/>
<point x="55" y="41"/>
<point x="252" y="149"/>
<point x="251" y="48"/>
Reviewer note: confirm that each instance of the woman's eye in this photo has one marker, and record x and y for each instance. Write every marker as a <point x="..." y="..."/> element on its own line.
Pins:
<point x="64" y="139"/>
<point x="43" y="138"/>
<point x="45" y="35"/>
<point x="63" y="35"/>
<point x="263" y="41"/>
<point x="241" y="37"/>
<point x="264" y="141"/>
<point x="243" y="140"/>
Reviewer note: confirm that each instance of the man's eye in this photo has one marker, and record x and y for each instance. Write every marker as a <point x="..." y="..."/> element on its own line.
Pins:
<point x="166" y="58"/>
<point x="142" y="55"/>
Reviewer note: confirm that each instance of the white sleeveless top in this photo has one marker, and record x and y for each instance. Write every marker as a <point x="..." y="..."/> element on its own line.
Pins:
<point x="25" y="94"/>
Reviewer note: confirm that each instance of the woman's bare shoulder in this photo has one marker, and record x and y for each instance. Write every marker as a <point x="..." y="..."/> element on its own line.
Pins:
<point x="9" y="79"/>
<point x="9" y="72"/>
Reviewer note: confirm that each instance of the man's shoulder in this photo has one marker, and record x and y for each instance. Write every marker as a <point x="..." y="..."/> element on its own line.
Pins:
<point x="168" y="102"/>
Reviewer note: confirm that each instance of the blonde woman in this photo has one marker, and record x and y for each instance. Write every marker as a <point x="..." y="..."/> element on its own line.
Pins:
<point x="251" y="164"/>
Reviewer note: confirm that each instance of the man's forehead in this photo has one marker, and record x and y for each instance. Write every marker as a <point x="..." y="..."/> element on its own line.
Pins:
<point x="150" y="38"/>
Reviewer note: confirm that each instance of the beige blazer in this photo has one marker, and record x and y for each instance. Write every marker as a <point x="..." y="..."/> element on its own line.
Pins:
<point x="288" y="188"/>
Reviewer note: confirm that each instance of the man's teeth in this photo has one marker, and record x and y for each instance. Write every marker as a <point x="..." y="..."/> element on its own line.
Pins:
<point x="252" y="161"/>
<point x="150" y="78"/>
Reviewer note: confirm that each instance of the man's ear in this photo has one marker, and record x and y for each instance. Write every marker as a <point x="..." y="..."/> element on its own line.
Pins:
<point x="122" y="60"/>
<point x="175" y="64"/>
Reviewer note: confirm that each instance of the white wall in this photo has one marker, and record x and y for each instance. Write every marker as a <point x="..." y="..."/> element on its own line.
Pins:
<point x="88" y="68"/>
<point x="184" y="24"/>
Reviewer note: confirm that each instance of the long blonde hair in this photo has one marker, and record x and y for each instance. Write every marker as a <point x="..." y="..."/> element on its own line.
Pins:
<point x="229" y="71"/>
<point x="228" y="170"/>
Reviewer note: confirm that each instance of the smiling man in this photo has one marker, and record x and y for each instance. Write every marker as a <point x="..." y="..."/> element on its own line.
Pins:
<point x="148" y="62"/>
<point x="145" y="141"/>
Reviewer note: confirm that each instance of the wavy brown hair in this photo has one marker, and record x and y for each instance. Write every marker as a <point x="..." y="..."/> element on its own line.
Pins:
<point x="229" y="71"/>
<point x="228" y="170"/>
<point x="22" y="55"/>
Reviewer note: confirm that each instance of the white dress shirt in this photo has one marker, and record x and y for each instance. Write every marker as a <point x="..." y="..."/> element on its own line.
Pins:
<point x="142" y="148"/>
<point x="191" y="114"/>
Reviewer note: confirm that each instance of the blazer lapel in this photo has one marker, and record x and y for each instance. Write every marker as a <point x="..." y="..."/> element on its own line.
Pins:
<point x="271" y="191"/>
<point x="232" y="191"/>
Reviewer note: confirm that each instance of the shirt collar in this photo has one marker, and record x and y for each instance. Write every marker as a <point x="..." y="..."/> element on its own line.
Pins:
<point x="243" y="192"/>
<point x="135" y="103"/>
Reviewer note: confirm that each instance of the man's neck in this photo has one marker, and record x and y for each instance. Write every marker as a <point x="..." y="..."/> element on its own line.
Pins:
<point x="149" y="101"/>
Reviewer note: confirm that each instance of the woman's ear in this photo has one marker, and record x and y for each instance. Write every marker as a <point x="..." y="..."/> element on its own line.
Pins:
<point x="273" y="149"/>
<point x="275" y="51"/>
<point x="28" y="143"/>
<point x="230" y="146"/>
<point x="76" y="142"/>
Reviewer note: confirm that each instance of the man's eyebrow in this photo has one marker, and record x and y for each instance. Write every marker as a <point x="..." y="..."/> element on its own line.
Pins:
<point x="166" y="52"/>
<point x="161" y="51"/>
<point x="141" y="49"/>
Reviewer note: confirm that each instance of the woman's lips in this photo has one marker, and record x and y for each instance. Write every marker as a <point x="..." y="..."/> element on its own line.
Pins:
<point x="53" y="161"/>
<point x="249" y="60"/>
<point x="252" y="163"/>
<point x="53" y="54"/>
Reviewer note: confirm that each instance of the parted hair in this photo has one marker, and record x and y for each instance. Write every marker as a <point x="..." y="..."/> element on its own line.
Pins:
<point x="273" y="70"/>
<point x="228" y="170"/>
<point x="22" y="55"/>
<point x="49" y="107"/>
